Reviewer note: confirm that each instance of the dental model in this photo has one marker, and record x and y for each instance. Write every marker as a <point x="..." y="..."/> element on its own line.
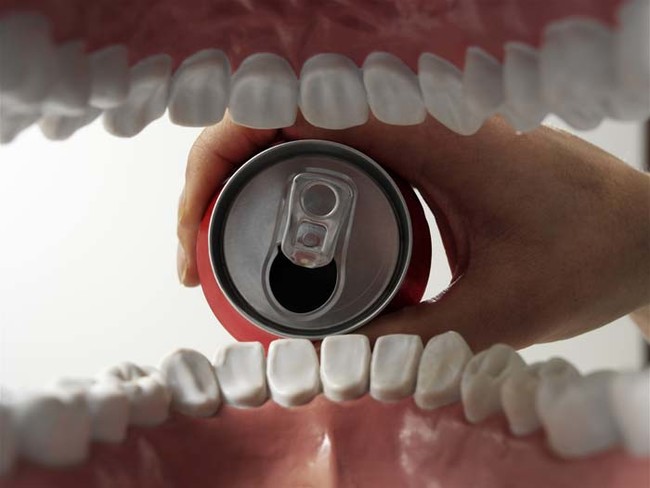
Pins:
<point x="64" y="67"/>
<point x="397" y="415"/>
<point x="79" y="424"/>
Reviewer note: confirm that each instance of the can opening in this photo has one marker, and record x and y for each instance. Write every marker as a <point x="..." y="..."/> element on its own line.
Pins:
<point x="299" y="289"/>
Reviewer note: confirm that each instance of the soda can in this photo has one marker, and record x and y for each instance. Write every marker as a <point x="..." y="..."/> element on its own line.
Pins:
<point x="308" y="239"/>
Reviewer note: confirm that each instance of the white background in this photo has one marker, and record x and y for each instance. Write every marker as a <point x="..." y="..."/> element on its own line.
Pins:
<point x="88" y="247"/>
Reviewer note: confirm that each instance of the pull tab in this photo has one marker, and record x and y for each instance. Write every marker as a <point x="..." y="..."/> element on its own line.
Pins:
<point x="317" y="216"/>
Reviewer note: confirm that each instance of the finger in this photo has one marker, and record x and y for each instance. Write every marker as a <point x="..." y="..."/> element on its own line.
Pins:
<point x="217" y="152"/>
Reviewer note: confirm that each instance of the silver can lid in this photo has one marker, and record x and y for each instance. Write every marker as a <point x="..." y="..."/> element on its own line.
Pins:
<point x="310" y="238"/>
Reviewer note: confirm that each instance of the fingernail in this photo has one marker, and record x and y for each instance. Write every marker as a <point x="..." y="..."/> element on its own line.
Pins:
<point x="181" y="264"/>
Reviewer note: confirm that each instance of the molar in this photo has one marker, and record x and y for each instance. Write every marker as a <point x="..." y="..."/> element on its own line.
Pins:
<point x="53" y="427"/>
<point x="441" y="369"/>
<point x="70" y="91"/>
<point x="442" y="91"/>
<point x="292" y="371"/>
<point x="200" y="89"/>
<point x="482" y="380"/>
<point x="394" y="366"/>
<point x="147" y="99"/>
<point x="241" y="372"/>
<point x="109" y="68"/>
<point x="576" y="70"/>
<point x="393" y="90"/>
<point x="192" y="383"/>
<point x="629" y="397"/>
<point x="264" y="93"/>
<point x="579" y="422"/>
<point x="332" y="95"/>
<point x="345" y="366"/>
<point x="148" y="396"/>
<point x="524" y="106"/>
<point x="13" y="122"/>
<point x="27" y="59"/>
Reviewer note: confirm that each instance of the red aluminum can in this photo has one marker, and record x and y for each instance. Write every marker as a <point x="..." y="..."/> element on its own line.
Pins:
<point x="308" y="239"/>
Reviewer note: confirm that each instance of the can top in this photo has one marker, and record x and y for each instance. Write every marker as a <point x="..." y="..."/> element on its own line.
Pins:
<point x="310" y="238"/>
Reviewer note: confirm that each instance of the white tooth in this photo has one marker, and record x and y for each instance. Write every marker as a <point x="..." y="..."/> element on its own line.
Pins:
<point x="393" y="90"/>
<point x="264" y="93"/>
<point x="7" y="440"/>
<point x="629" y="396"/>
<point x="441" y="369"/>
<point x="579" y="421"/>
<point x="292" y="371"/>
<point x="13" y="122"/>
<point x="524" y="105"/>
<point x="394" y="366"/>
<point x="109" y="69"/>
<point x="630" y="99"/>
<point x="199" y="90"/>
<point x="147" y="99"/>
<point x="554" y="377"/>
<point x="442" y="91"/>
<point x="482" y="380"/>
<point x="53" y="428"/>
<point x="345" y="366"/>
<point x="61" y="127"/>
<point x="332" y="95"/>
<point x="192" y="382"/>
<point x="27" y="60"/>
<point x="71" y="90"/>
<point x="576" y="70"/>
<point x="518" y="397"/>
<point x="148" y="396"/>
<point x="241" y="371"/>
<point x="482" y="82"/>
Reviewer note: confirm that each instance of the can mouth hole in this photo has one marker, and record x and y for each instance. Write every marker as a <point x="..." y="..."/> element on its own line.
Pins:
<point x="298" y="289"/>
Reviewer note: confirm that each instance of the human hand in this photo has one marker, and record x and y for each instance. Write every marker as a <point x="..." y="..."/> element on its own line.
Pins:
<point x="547" y="236"/>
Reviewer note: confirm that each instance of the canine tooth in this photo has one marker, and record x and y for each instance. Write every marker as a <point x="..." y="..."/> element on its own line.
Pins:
<point x="53" y="428"/>
<point x="524" y="105"/>
<point x="442" y="91"/>
<point x="518" y="396"/>
<point x="241" y="371"/>
<point x="579" y="421"/>
<point x="482" y="380"/>
<point x="109" y="69"/>
<point x="441" y="369"/>
<point x="192" y="383"/>
<point x="630" y="100"/>
<point x="555" y="375"/>
<point x="345" y="366"/>
<point x="394" y="366"/>
<point x="264" y="93"/>
<point x="482" y="82"/>
<point x="199" y="90"/>
<point x="393" y="90"/>
<point x="576" y="70"/>
<point x="292" y="371"/>
<point x="148" y="396"/>
<point x="332" y="95"/>
<point x="13" y="122"/>
<point x="629" y="396"/>
<point x="7" y="440"/>
<point x="61" y="127"/>
<point x="71" y="90"/>
<point x="27" y="59"/>
<point x="147" y="99"/>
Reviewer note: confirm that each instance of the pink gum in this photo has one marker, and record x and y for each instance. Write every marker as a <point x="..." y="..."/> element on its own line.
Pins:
<point x="327" y="444"/>
<point x="298" y="29"/>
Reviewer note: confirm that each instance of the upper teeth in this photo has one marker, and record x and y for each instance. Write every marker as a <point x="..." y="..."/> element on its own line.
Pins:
<point x="583" y="71"/>
<point x="580" y="415"/>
